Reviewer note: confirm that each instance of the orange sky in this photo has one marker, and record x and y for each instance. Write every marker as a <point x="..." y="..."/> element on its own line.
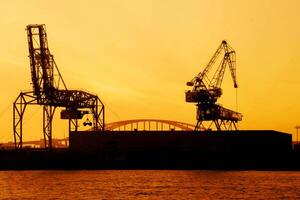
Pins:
<point x="138" y="55"/>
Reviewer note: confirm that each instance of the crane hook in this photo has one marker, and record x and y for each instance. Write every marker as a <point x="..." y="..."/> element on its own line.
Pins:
<point x="87" y="122"/>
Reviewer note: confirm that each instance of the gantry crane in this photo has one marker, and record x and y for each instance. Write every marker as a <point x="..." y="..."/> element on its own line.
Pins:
<point x="50" y="91"/>
<point x="206" y="92"/>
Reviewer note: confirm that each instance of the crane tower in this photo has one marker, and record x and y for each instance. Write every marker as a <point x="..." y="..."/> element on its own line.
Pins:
<point x="50" y="91"/>
<point x="206" y="91"/>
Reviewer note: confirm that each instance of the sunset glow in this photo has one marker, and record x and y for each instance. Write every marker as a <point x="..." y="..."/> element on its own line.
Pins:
<point x="138" y="55"/>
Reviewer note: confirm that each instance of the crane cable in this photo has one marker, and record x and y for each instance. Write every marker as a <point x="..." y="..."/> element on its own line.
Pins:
<point x="236" y="99"/>
<point x="236" y="104"/>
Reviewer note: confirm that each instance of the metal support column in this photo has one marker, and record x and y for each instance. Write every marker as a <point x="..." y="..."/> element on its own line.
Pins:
<point x="48" y="113"/>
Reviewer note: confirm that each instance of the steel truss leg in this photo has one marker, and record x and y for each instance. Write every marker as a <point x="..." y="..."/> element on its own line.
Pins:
<point x="198" y="125"/>
<point x="219" y="124"/>
<point x="98" y="115"/>
<point x="234" y="125"/>
<point x="18" y="113"/>
<point x="222" y="123"/>
<point x="48" y="113"/>
<point x="73" y="125"/>
<point x="225" y="125"/>
<point x="19" y="107"/>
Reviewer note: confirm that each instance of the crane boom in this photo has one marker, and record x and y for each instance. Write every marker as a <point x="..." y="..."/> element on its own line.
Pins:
<point x="196" y="81"/>
<point x="45" y="74"/>
<point x="229" y="59"/>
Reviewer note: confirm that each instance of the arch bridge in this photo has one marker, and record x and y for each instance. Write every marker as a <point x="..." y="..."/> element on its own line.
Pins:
<point x="148" y="125"/>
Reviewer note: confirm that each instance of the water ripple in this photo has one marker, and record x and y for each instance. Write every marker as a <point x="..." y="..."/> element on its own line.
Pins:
<point x="149" y="184"/>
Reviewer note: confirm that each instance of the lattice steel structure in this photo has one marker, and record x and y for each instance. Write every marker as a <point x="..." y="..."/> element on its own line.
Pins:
<point x="206" y="91"/>
<point x="50" y="91"/>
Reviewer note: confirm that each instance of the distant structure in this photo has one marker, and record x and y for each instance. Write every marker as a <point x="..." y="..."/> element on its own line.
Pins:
<point x="148" y="124"/>
<point x="206" y="92"/>
<point x="50" y="91"/>
<point x="297" y="127"/>
<point x="56" y="143"/>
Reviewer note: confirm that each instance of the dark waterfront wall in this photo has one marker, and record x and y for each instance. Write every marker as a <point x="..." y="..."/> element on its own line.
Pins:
<point x="232" y="150"/>
<point x="263" y="141"/>
<point x="262" y="149"/>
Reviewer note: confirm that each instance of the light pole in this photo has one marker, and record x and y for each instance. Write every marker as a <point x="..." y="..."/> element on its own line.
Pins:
<point x="297" y="127"/>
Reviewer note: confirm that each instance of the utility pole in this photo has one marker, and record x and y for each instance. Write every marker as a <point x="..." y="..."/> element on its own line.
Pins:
<point x="297" y="127"/>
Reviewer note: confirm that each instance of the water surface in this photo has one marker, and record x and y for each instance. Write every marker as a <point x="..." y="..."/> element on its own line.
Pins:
<point x="149" y="184"/>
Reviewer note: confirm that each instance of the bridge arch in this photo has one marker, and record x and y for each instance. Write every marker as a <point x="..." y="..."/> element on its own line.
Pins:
<point x="148" y="125"/>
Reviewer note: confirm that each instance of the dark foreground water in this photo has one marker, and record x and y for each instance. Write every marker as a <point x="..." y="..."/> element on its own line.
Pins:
<point x="148" y="184"/>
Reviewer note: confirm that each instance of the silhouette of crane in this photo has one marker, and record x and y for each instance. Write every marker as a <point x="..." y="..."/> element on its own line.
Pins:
<point x="50" y="91"/>
<point x="206" y="92"/>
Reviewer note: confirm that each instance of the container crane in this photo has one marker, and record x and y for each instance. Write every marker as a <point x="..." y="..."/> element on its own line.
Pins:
<point x="50" y="91"/>
<point x="206" y="91"/>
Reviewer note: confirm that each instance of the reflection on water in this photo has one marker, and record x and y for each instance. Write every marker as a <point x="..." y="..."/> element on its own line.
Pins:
<point x="149" y="184"/>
